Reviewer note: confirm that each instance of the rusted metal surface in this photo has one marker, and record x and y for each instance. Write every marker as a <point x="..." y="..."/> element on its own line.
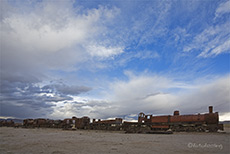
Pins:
<point x="187" y="118"/>
<point x="82" y="123"/>
<point x="160" y="119"/>
<point x="211" y="118"/>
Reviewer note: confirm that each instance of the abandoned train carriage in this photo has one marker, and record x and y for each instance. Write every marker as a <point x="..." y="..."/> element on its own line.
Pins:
<point x="42" y="123"/>
<point x="115" y="124"/>
<point x="176" y="122"/>
<point x="76" y="123"/>
<point x="7" y="123"/>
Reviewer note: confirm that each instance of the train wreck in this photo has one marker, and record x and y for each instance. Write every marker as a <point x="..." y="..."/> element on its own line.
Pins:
<point x="208" y="122"/>
<point x="176" y="123"/>
<point x="7" y="123"/>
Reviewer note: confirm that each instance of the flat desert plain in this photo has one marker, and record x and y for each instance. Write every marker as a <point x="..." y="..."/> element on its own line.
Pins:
<point x="57" y="141"/>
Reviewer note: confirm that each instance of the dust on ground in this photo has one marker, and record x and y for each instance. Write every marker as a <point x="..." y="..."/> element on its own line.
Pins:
<point x="57" y="141"/>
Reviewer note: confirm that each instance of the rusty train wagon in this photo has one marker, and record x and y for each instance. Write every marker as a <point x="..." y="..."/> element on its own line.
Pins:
<point x="176" y="122"/>
<point x="76" y="123"/>
<point x="28" y="123"/>
<point x="42" y="123"/>
<point x="113" y="124"/>
<point x="7" y="123"/>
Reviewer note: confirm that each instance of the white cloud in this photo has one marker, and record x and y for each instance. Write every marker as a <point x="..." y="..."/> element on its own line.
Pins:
<point x="54" y="36"/>
<point x="225" y="47"/>
<point x="140" y="55"/>
<point x="104" y="52"/>
<point x="223" y="8"/>
<point x="155" y="95"/>
<point x="35" y="35"/>
<point x="215" y="93"/>
<point x="214" y="40"/>
<point x="121" y="102"/>
<point x="67" y="110"/>
<point x="138" y="86"/>
<point x="152" y="23"/>
<point x="224" y="117"/>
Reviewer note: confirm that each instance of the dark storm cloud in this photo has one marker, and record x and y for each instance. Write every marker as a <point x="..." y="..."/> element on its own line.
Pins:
<point x="19" y="99"/>
<point x="33" y="100"/>
<point x="23" y="111"/>
<point x="66" y="89"/>
<point x="72" y="90"/>
<point x="19" y="75"/>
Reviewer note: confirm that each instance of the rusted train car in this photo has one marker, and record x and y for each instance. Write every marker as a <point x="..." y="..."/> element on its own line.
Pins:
<point x="7" y="123"/>
<point x="113" y="124"/>
<point x="42" y="123"/>
<point x="76" y="123"/>
<point x="70" y="123"/>
<point x="176" y="122"/>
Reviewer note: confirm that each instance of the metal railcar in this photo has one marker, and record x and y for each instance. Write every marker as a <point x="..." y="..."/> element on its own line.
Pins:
<point x="176" y="122"/>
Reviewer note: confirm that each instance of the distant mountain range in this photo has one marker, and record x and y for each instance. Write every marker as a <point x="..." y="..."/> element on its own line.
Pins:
<point x="225" y="122"/>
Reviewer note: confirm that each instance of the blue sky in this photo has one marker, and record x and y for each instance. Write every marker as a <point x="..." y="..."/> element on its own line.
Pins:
<point x="106" y="59"/>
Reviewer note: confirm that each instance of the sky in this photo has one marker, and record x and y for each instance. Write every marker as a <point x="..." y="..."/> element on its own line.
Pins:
<point x="107" y="59"/>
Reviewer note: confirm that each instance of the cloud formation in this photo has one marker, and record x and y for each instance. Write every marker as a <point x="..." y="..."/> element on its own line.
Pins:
<point x="33" y="99"/>
<point x="212" y="41"/>
<point x="153" y="94"/>
<point x="223" y="8"/>
<point x="66" y="58"/>
<point x="54" y="36"/>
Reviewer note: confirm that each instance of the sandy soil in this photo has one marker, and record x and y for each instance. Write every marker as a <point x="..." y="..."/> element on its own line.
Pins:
<point x="56" y="141"/>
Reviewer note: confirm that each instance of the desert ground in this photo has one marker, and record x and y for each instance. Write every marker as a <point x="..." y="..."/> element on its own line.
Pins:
<point x="57" y="141"/>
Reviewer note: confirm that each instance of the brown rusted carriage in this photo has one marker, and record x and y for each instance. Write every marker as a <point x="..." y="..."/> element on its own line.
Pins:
<point x="176" y="122"/>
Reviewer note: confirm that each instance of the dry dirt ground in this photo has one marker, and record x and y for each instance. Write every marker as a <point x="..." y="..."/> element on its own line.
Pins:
<point x="57" y="141"/>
